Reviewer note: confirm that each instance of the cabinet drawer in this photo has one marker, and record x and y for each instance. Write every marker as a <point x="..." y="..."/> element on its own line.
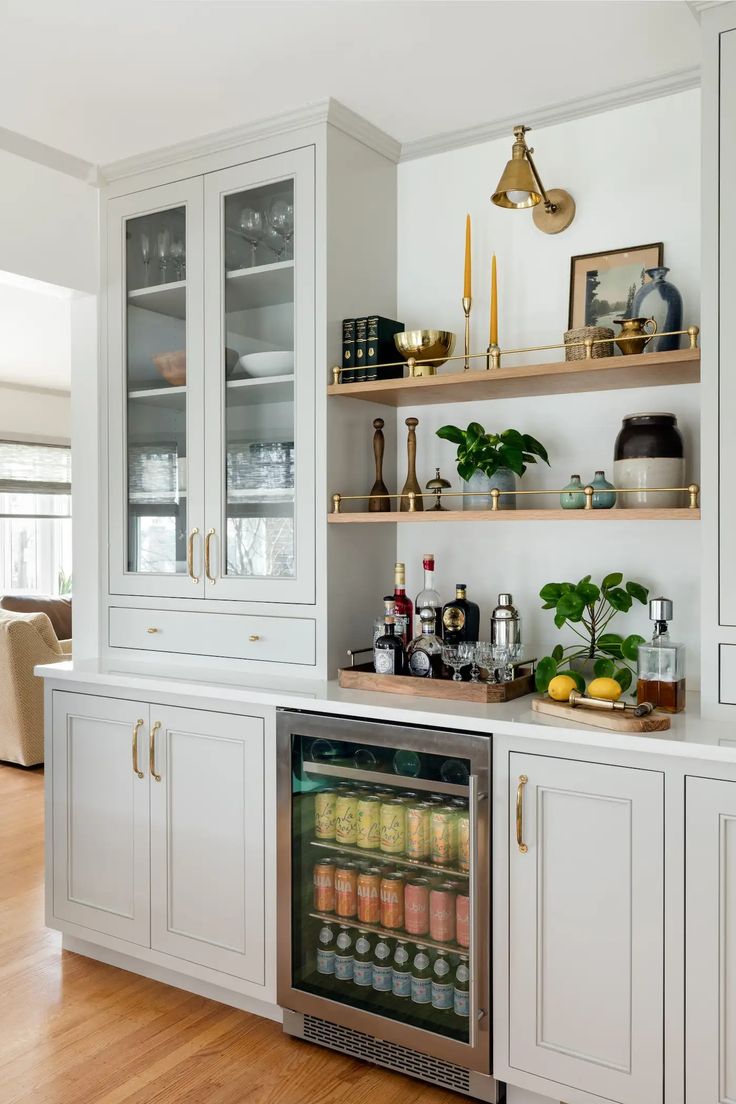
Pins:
<point x="224" y="635"/>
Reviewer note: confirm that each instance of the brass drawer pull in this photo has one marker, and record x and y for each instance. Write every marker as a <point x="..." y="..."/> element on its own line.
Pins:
<point x="253" y="637"/>
<point x="152" y="630"/>
<point x="152" y="751"/>
<point x="209" y="535"/>
<point x="520" y="814"/>
<point x="136" y="729"/>
<point x="190" y="555"/>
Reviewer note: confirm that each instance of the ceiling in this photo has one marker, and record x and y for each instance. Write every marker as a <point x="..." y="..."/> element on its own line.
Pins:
<point x="35" y="323"/>
<point x="107" y="79"/>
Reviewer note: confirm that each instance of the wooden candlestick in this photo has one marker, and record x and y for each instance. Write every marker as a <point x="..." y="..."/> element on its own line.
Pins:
<point x="377" y="504"/>
<point x="412" y="484"/>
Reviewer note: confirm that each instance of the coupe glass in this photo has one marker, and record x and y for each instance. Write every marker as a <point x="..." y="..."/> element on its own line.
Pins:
<point x="146" y="254"/>
<point x="252" y="228"/>
<point x="451" y="656"/>
<point x="484" y="659"/>
<point x="281" y="221"/>
<point x="163" y="250"/>
<point x="468" y="652"/>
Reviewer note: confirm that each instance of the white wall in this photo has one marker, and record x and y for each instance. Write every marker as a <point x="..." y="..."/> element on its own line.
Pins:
<point x="32" y="413"/>
<point x="635" y="178"/>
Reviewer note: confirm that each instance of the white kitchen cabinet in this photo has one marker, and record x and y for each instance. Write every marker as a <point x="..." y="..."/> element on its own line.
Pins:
<point x="100" y="815"/>
<point x="586" y="926"/>
<point x="207" y="840"/>
<point x="710" y="954"/>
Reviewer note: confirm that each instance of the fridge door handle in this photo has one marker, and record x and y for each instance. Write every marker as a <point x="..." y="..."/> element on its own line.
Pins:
<point x="476" y="1013"/>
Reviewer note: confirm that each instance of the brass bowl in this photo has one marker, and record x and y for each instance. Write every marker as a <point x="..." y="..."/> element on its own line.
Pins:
<point x="425" y="345"/>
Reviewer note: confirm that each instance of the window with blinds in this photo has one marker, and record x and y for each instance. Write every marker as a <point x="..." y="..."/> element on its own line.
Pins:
<point x="35" y="518"/>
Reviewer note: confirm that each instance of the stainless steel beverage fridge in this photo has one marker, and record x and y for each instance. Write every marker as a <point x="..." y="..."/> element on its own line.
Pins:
<point x="384" y="895"/>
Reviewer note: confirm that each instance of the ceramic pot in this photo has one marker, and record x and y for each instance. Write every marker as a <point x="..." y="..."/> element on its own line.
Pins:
<point x="649" y="453"/>
<point x="661" y="301"/>
<point x="629" y="340"/>
<point x="604" y="493"/>
<point x="504" y="480"/>
<point x="573" y="496"/>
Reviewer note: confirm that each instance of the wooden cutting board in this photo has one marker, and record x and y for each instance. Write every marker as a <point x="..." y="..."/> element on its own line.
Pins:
<point x="613" y="720"/>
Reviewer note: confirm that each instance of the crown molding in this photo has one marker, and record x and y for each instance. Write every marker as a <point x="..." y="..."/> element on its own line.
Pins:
<point x="320" y="112"/>
<point x="623" y="96"/>
<point x="697" y="7"/>
<point x="31" y="150"/>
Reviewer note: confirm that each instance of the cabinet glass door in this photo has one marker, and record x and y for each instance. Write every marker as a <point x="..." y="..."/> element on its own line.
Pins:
<point x="260" y="331"/>
<point x="156" y="391"/>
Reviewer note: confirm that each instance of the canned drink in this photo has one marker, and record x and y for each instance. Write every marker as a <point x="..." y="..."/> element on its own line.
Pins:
<point x="443" y="833"/>
<point x="369" y="896"/>
<point x="392" y="901"/>
<point x="324" y="814"/>
<point x="346" y="818"/>
<point x="323" y="878"/>
<point x="442" y="913"/>
<point x="416" y="906"/>
<point x="462" y="919"/>
<point x="463" y="839"/>
<point x="437" y="799"/>
<point x="369" y="822"/>
<point x="393" y="827"/>
<point x="417" y="831"/>
<point x="346" y="889"/>
<point x="410" y="795"/>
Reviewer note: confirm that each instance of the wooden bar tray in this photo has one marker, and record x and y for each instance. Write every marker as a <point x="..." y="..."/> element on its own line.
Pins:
<point x="363" y="677"/>
<point x="613" y="721"/>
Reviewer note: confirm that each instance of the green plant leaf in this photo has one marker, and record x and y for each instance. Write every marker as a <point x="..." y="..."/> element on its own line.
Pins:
<point x="624" y="678"/>
<point x="532" y="445"/>
<point x="610" y="643"/>
<point x="619" y="599"/>
<point x="451" y="433"/>
<point x="550" y="592"/>
<point x="613" y="580"/>
<point x="560" y="619"/>
<point x="466" y="469"/>
<point x="475" y="431"/>
<point x="579" y="680"/>
<point x="630" y="647"/>
<point x="603" y="668"/>
<point x="571" y="606"/>
<point x="557" y="652"/>
<point x="546" y="671"/>
<point x="589" y="592"/>
<point x="636" y="590"/>
<point x="512" y="437"/>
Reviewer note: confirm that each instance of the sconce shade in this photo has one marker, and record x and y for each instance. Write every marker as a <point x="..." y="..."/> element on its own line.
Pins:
<point x="517" y="187"/>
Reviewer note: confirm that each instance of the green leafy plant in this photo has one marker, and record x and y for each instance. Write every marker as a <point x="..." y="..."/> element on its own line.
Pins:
<point x="489" y="452"/>
<point x="587" y="609"/>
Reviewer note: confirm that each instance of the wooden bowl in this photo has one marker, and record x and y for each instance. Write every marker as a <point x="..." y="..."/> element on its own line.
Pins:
<point x="172" y="366"/>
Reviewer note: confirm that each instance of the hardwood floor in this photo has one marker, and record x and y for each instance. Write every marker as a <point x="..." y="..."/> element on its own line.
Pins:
<point x="74" y="1031"/>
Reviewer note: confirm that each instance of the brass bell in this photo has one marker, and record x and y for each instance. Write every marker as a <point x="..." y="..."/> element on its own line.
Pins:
<point x="437" y="486"/>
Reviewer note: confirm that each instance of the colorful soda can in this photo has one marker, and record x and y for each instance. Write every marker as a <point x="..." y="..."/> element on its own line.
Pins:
<point x="369" y="896"/>
<point x="392" y="901"/>
<point x="323" y="877"/>
<point x="346" y="890"/>
<point x="443" y="835"/>
<point x="346" y="818"/>
<point x="324" y="814"/>
<point x="463" y="839"/>
<point x="393" y="827"/>
<point x="416" y="906"/>
<point x="442" y="913"/>
<point x="462" y="918"/>
<point x="417" y="830"/>
<point x="369" y="822"/>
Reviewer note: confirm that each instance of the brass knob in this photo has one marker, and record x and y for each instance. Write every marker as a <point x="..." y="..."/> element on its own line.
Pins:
<point x="254" y="636"/>
<point x="152" y="630"/>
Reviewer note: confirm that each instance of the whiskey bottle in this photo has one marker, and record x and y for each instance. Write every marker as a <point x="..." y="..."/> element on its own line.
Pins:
<point x="403" y="605"/>
<point x="460" y="617"/>
<point x="388" y="651"/>
<point x="424" y="654"/>
<point x="428" y="597"/>
<point x="661" y="664"/>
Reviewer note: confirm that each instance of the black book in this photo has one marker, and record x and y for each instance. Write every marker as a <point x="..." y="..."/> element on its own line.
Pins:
<point x="361" y="348"/>
<point x="348" y="350"/>
<point x="381" y="348"/>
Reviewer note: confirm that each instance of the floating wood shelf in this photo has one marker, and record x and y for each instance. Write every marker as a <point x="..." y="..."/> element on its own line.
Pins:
<point x="558" y="378"/>
<point x="428" y="516"/>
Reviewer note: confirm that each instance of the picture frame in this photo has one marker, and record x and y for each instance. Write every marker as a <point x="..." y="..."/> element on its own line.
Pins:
<point x="603" y="284"/>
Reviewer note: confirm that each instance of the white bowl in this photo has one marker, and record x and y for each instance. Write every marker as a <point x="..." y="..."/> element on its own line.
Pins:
<point x="278" y="363"/>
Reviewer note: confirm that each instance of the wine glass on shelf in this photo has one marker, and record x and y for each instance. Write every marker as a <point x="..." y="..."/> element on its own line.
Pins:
<point x="177" y="256"/>
<point x="451" y="656"/>
<point x="163" y="249"/>
<point x="146" y="255"/>
<point x="281" y="221"/>
<point x="252" y="227"/>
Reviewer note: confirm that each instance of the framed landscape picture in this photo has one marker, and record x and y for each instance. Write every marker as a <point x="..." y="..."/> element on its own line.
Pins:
<point x="603" y="285"/>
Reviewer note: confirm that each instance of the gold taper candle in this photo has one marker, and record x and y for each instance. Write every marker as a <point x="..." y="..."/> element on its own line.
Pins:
<point x="494" y="303"/>
<point x="467" y="293"/>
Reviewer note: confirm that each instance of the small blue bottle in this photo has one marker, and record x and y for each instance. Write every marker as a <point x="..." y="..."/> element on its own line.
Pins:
<point x="604" y="493"/>
<point x="573" y="495"/>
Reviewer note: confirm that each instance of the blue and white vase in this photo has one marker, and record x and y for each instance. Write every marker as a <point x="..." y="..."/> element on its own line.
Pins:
<point x="604" y="493"/>
<point x="573" y="495"/>
<point x="661" y="301"/>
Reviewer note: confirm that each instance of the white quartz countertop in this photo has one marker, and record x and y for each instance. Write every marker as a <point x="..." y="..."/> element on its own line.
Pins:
<point x="690" y="735"/>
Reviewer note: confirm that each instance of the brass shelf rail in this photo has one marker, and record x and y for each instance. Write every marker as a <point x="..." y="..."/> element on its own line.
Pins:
<point x="692" y="490"/>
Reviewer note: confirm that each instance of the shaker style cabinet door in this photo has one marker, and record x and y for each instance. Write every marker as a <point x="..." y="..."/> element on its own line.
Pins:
<point x="100" y="818"/>
<point x="710" y="956"/>
<point x="586" y="927"/>
<point x="156" y="391"/>
<point x="727" y="294"/>
<point x="207" y="840"/>
<point x="260" y="352"/>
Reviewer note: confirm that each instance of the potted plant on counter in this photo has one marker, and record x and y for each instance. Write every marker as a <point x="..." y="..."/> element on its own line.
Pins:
<point x="491" y="460"/>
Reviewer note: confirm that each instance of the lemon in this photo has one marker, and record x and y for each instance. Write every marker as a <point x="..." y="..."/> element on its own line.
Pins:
<point x="560" y="687"/>
<point x="606" y="688"/>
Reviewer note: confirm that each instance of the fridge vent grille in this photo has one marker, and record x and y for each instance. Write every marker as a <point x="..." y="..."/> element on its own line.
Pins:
<point x="386" y="1054"/>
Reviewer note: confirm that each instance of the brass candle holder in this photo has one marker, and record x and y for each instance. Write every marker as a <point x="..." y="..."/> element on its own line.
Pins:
<point x="467" y="304"/>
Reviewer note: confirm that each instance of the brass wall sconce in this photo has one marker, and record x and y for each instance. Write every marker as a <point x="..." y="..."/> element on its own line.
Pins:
<point x="520" y="187"/>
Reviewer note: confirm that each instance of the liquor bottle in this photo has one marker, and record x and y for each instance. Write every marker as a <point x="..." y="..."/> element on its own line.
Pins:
<point x="424" y="654"/>
<point x="461" y="989"/>
<point x="428" y="597"/>
<point x="326" y="950"/>
<point x="421" y="976"/>
<point x="382" y="967"/>
<point x="388" y="651"/>
<point x="661" y="663"/>
<point x="363" y="960"/>
<point x="403" y="605"/>
<point x="344" y="954"/>
<point x="401" y="970"/>
<point x="460" y="617"/>
<point x="442" y="983"/>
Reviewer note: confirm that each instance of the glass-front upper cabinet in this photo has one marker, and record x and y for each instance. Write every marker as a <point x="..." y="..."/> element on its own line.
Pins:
<point x="156" y="397"/>
<point x="259" y="406"/>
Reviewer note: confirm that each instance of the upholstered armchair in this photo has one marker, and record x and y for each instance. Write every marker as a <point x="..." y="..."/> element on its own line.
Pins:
<point x="25" y="640"/>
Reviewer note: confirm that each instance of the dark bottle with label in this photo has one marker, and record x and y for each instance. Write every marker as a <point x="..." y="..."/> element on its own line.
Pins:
<point x="388" y="651"/>
<point x="460" y="618"/>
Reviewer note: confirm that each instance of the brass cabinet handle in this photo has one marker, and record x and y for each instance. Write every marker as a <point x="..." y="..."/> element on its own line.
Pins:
<point x="520" y="814"/>
<point x="253" y="637"/>
<point x="152" y="630"/>
<point x="190" y="555"/>
<point x="136" y="729"/>
<point x="210" y="534"/>
<point x="152" y="751"/>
